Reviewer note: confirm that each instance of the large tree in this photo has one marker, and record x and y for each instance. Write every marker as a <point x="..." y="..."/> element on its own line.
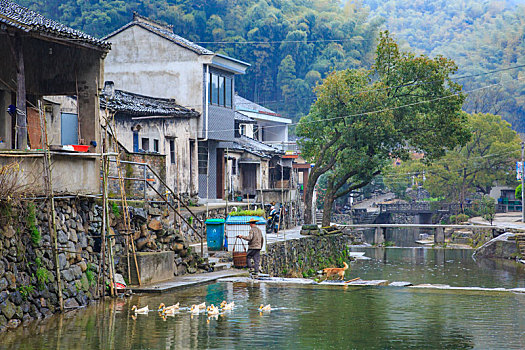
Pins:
<point x="361" y="119"/>
<point x="487" y="159"/>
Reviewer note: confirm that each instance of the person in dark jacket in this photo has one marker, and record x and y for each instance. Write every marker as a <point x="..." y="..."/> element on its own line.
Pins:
<point x="255" y="244"/>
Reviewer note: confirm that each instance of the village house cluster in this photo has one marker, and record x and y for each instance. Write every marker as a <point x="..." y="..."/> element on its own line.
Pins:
<point x="162" y="99"/>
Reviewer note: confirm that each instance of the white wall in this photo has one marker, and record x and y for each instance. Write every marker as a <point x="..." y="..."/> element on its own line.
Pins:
<point x="182" y="175"/>
<point x="145" y="63"/>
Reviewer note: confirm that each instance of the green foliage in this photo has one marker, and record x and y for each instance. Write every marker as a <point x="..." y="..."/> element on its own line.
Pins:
<point x="487" y="159"/>
<point x="258" y="212"/>
<point x="517" y="193"/>
<point x="42" y="274"/>
<point x="90" y="275"/>
<point x="458" y="219"/>
<point x="36" y="237"/>
<point x="25" y="291"/>
<point x="363" y="118"/>
<point x="115" y="209"/>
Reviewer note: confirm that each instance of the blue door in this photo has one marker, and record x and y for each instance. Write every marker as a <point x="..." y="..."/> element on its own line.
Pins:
<point x="135" y="141"/>
<point x="69" y="131"/>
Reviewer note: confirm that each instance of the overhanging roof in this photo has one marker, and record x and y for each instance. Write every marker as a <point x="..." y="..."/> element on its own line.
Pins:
<point x="266" y="117"/>
<point x="141" y="106"/>
<point x="29" y="21"/>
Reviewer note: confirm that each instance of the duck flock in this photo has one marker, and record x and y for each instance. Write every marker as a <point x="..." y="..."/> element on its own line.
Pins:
<point x="195" y="309"/>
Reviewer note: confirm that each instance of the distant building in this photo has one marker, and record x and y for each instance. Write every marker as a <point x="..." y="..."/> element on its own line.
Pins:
<point x="149" y="59"/>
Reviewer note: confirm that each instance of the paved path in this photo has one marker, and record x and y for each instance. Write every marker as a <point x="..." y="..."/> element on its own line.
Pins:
<point x="369" y="203"/>
<point x="187" y="281"/>
<point x="284" y="235"/>
<point x="502" y="220"/>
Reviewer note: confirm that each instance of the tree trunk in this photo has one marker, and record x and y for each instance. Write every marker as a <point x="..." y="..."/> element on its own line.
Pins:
<point x="327" y="208"/>
<point x="309" y="196"/>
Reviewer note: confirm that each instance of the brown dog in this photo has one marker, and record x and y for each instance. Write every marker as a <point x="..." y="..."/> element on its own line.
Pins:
<point x="334" y="271"/>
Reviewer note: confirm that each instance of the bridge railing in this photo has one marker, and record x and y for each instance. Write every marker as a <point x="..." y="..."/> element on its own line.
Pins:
<point x="422" y="207"/>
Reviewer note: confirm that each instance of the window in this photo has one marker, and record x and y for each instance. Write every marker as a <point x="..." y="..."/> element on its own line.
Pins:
<point x="203" y="158"/>
<point x="214" y="89"/>
<point x="256" y="132"/>
<point x="172" y="151"/>
<point x="234" y="166"/>
<point x="220" y="90"/>
<point x="243" y="129"/>
<point x="145" y="144"/>
<point x="156" y="145"/>
<point x="228" y="92"/>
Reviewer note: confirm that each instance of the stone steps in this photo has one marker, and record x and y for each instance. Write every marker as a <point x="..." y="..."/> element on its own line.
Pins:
<point x="520" y="240"/>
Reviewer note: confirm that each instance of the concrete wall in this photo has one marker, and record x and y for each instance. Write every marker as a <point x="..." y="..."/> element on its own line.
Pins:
<point x="71" y="173"/>
<point x="145" y="63"/>
<point x="181" y="176"/>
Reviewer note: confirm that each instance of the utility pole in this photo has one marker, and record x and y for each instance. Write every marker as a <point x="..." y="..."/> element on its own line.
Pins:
<point x="522" y="181"/>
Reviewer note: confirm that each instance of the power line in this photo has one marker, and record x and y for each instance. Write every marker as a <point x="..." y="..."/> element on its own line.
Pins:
<point x="280" y="41"/>
<point x="382" y="110"/>
<point x="389" y="87"/>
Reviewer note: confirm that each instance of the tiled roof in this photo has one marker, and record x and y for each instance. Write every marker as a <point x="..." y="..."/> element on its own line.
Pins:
<point x="243" y="104"/>
<point x="141" y="106"/>
<point x="163" y="31"/>
<point x="255" y="146"/>
<point x="28" y="20"/>
<point x="243" y="118"/>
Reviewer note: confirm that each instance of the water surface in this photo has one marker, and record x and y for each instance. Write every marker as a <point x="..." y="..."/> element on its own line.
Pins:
<point x="311" y="317"/>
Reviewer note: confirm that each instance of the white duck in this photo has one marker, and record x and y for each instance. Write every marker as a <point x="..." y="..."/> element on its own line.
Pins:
<point x="265" y="308"/>
<point x="212" y="310"/>
<point x="143" y="311"/>
<point x="227" y="306"/>
<point x="163" y="307"/>
<point x="201" y="306"/>
<point x="195" y="309"/>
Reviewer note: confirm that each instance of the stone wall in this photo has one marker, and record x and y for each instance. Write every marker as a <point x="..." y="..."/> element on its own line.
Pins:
<point x="305" y="256"/>
<point x="502" y="247"/>
<point x="28" y="288"/>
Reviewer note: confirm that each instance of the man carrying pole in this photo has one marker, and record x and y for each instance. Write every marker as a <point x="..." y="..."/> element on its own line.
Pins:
<point x="255" y="244"/>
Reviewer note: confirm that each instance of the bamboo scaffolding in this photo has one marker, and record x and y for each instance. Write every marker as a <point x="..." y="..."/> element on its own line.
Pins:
<point x="48" y="183"/>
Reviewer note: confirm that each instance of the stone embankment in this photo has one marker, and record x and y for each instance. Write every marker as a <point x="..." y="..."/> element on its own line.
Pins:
<point x="28" y="278"/>
<point x="306" y="255"/>
<point x="504" y="246"/>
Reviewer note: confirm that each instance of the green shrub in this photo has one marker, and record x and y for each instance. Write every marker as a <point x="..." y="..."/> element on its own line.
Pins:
<point x="115" y="210"/>
<point x="90" y="274"/>
<point x="25" y="291"/>
<point x="42" y="274"/>
<point x="461" y="218"/>
<point x="36" y="237"/>
<point x="258" y="212"/>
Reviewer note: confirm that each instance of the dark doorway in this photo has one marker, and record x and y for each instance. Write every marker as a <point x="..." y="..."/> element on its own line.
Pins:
<point x="220" y="173"/>
<point x="249" y="179"/>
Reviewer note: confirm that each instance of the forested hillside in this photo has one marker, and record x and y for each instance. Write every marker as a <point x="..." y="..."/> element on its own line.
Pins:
<point x="479" y="35"/>
<point x="320" y="35"/>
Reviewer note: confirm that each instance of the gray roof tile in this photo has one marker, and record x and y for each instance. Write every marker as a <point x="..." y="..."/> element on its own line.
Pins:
<point x="28" y="20"/>
<point x="141" y="106"/>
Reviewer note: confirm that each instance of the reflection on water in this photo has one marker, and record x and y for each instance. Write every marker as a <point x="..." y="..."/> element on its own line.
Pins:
<point x="312" y="316"/>
<point x="455" y="267"/>
<point x="303" y="317"/>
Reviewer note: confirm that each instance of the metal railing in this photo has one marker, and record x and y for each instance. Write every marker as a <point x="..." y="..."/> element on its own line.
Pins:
<point x="147" y="184"/>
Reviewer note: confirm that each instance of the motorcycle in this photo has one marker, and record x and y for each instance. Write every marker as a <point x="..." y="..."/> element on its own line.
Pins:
<point x="273" y="220"/>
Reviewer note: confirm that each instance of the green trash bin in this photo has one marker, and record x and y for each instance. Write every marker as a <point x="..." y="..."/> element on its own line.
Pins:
<point x="215" y="234"/>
